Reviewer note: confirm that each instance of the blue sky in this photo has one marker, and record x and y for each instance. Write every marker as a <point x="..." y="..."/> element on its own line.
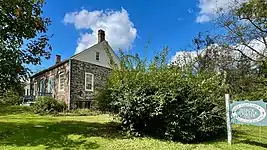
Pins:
<point x="173" y="23"/>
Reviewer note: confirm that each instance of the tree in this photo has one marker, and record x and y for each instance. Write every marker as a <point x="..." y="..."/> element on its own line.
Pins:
<point x="23" y="39"/>
<point x="206" y="55"/>
<point x="211" y="57"/>
<point x="245" y="27"/>
<point x="244" y="35"/>
<point x="240" y="74"/>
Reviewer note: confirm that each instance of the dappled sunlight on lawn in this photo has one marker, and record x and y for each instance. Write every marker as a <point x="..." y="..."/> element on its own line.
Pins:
<point x="24" y="130"/>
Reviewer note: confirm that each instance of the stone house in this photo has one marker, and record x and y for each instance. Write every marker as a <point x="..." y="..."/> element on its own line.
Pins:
<point x="77" y="79"/>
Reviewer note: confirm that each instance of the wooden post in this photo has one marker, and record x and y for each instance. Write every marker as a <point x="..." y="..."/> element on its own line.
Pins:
<point x="228" y="120"/>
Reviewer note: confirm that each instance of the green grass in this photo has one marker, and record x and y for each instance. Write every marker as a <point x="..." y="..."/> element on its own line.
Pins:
<point x="20" y="129"/>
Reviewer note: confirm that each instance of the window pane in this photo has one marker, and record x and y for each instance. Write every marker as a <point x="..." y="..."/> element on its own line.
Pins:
<point x="97" y="56"/>
<point x="50" y="85"/>
<point x="35" y="89"/>
<point x="89" y="81"/>
<point x="61" y="81"/>
<point x="89" y="86"/>
<point x="42" y="88"/>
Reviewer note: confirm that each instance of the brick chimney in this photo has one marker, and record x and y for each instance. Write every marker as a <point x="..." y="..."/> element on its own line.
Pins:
<point x="58" y="59"/>
<point x="101" y="36"/>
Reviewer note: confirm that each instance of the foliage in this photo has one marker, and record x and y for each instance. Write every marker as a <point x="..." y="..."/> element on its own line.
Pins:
<point x="23" y="39"/>
<point x="252" y="94"/>
<point x="244" y="37"/>
<point x="15" y="110"/>
<point x="245" y="28"/>
<point x="255" y="11"/>
<point x="12" y="96"/>
<point x="162" y="100"/>
<point x="243" y="77"/>
<point x="48" y="105"/>
<point x="80" y="112"/>
<point x="104" y="101"/>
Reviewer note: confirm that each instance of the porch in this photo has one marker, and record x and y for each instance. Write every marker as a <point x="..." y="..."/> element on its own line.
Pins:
<point x="28" y="100"/>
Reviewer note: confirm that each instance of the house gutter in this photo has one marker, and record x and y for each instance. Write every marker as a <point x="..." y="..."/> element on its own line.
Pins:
<point x="69" y="83"/>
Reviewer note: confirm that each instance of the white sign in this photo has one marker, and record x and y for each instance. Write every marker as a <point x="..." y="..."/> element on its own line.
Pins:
<point x="248" y="113"/>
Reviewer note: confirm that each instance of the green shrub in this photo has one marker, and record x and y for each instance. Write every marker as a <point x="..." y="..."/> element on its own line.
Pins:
<point x="104" y="101"/>
<point x="10" y="97"/>
<point x="164" y="101"/>
<point x="48" y="105"/>
<point x="257" y="94"/>
<point x="80" y="112"/>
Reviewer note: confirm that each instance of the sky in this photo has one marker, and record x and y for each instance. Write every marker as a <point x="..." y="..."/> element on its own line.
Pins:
<point x="129" y="24"/>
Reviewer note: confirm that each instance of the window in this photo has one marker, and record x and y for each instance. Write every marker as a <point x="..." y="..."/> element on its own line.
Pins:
<point x="61" y="82"/>
<point x="26" y="92"/>
<point x="42" y="88"/>
<point x="89" y="82"/>
<point x="97" y="56"/>
<point x="50" y="86"/>
<point x="35" y="89"/>
<point x="82" y="105"/>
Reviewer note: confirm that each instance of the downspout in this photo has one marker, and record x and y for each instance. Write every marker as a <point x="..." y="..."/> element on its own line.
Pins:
<point x="69" y="84"/>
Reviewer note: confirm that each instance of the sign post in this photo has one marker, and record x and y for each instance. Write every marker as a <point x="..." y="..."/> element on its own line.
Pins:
<point x="228" y="120"/>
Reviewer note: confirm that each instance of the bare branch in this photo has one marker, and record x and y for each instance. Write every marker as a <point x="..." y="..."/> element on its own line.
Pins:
<point x="255" y="25"/>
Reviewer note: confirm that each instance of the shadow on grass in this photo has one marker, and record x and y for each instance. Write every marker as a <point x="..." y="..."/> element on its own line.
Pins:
<point x="255" y="143"/>
<point x="65" y="134"/>
<point x="243" y="135"/>
<point x="250" y="136"/>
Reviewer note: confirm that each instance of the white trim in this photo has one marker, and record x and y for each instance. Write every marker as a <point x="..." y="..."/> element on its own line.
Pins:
<point x="103" y="61"/>
<point x="35" y="88"/>
<point x="92" y="89"/>
<point x="60" y="83"/>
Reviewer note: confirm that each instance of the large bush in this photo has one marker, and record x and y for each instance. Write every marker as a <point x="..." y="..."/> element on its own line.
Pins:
<point x="11" y="97"/>
<point x="163" y="100"/>
<point x="48" y="105"/>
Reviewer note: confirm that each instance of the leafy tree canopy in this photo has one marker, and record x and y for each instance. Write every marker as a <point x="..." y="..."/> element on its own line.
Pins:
<point x="23" y="39"/>
<point x="246" y="29"/>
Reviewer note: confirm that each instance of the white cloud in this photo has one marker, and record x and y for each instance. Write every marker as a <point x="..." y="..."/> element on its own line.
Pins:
<point x="208" y="8"/>
<point x="184" y="57"/>
<point x="120" y="31"/>
<point x="259" y="46"/>
<point x="203" y="18"/>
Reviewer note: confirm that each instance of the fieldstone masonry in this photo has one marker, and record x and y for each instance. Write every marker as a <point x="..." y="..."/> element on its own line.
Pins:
<point x="77" y="91"/>
<point x="74" y="69"/>
<point x="61" y="69"/>
<point x="77" y="85"/>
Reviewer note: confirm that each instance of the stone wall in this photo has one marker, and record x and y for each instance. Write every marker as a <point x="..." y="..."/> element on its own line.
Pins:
<point x="77" y="85"/>
<point x="60" y="95"/>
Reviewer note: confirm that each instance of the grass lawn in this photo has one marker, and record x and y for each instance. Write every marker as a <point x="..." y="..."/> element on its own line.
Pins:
<point x="20" y="129"/>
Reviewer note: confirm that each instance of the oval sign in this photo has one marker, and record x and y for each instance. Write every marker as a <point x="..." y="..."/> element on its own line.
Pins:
<point x="248" y="113"/>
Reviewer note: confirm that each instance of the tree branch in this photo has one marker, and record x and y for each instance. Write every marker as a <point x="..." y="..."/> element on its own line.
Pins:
<point x="255" y="25"/>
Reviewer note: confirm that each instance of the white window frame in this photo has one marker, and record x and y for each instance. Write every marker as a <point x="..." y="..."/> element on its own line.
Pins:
<point x="35" y="89"/>
<point x="85" y="82"/>
<point x="59" y="82"/>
